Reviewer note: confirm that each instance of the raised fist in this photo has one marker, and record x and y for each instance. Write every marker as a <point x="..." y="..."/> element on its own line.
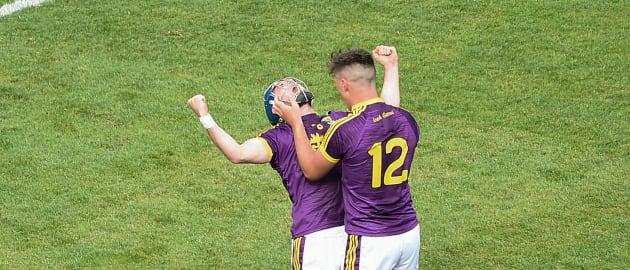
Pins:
<point x="385" y="55"/>
<point x="198" y="105"/>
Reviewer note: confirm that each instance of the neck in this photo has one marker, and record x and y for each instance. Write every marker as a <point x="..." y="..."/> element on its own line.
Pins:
<point x="361" y="95"/>
<point x="306" y="109"/>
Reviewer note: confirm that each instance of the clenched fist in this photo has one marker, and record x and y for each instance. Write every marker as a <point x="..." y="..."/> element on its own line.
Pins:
<point x="198" y="105"/>
<point x="385" y="55"/>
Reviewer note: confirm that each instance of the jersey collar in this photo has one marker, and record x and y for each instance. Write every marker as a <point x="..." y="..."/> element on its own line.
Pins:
<point x="365" y="103"/>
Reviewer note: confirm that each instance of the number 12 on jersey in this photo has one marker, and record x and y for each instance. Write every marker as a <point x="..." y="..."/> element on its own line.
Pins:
<point x="376" y="152"/>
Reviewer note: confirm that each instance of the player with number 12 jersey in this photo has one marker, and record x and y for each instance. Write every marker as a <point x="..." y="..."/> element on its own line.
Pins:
<point x="376" y="143"/>
<point x="383" y="138"/>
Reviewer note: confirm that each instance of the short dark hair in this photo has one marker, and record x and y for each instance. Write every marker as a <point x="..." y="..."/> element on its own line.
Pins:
<point x="348" y="57"/>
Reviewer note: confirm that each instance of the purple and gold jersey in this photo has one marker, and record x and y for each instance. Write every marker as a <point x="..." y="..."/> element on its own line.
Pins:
<point x="376" y="145"/>
<point x="317" y="205"/>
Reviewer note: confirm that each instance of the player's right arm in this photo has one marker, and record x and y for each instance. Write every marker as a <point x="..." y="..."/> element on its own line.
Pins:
<point x="388" y="57"/>
<point x="251" y="151"/>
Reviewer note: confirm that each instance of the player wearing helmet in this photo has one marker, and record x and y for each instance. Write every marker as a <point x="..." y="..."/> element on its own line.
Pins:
<point x="319" y="239"/>
<point x="375" y="146"/>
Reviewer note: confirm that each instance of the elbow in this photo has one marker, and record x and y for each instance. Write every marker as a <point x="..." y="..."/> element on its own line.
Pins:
<point x="235" y="159"/>
<point x="395" y="104"/>
<point x="312" y="177"/>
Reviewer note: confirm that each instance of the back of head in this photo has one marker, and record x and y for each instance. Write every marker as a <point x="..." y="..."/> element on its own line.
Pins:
<point x="356" y="64"/>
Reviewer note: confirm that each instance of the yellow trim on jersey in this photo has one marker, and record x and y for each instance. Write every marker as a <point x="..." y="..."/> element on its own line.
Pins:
<point x="327" y="156"/>
<point x="329" y="133"/>
<point x="365" y="103"/>
<point x="334" y="128"/>
<point x="266" y="144"/>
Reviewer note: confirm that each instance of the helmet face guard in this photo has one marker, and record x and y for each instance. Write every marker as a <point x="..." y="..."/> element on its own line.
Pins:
<point x="289" y="85"/>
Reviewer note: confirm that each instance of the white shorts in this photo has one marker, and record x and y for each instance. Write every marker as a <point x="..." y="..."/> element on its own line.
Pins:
<point x="401" y="251"/>
<point x="322" y="249"/>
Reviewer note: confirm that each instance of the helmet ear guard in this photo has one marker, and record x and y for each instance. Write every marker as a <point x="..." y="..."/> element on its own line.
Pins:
<point x="302" y="96"/>
<point x="268" y="99"/>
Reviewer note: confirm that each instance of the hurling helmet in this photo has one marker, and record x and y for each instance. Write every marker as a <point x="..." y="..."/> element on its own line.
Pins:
<point x="295" y="86"/>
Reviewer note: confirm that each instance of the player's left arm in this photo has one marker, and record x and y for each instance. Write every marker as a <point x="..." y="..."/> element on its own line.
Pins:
<point x="388" y="57"/>
<point x="314" y="165"/>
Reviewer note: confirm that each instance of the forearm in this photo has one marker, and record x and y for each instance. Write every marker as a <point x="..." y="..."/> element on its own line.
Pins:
<point x="391" y="85"/>
<point x="305" y="152"/>
<point x="251" y="151"/>
<point x="228" y="146"/>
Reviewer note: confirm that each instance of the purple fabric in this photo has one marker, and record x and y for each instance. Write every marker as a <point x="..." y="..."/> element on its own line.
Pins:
<point x="317" y="205"/>
<point x="355" y="141"/>
<point x="353" y="252"/>
<point x="301" y="254"/>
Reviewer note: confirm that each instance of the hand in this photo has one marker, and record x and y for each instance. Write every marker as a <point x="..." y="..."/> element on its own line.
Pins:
<point x="289" y="111"/>
<point x="198" y="105"/>
<point x="385" y="55"/>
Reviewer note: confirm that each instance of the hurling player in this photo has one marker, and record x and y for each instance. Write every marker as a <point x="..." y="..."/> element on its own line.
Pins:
<point x="375" y="145"/>
<point x="317" y="231"/>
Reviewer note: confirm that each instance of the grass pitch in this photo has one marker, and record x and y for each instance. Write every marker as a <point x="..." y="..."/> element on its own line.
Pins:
<point x="524" y="106"/>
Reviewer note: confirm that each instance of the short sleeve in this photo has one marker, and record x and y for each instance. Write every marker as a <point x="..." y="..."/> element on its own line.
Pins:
<point x="332" y="146"/>
<point x="336" y="115"/>
<point x="267" y="147"/>
<point x="271" y="140"/>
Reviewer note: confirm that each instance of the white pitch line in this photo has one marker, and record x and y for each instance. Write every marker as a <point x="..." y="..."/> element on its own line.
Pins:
<point x="18" y="5"/>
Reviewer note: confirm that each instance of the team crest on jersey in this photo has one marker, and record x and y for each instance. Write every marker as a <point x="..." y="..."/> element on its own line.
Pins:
<point x="317" y="126"/>
<point x="316" y="140"/>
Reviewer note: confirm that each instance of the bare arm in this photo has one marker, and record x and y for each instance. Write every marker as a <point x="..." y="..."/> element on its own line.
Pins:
<point x="251" y="151"/>
<point x="388" y="57"/>
<point x="314" y="165"/>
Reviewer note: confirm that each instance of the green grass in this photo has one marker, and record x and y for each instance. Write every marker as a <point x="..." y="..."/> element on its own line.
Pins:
<point x="525" y="112"/>
<point x="4" y="2"/>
